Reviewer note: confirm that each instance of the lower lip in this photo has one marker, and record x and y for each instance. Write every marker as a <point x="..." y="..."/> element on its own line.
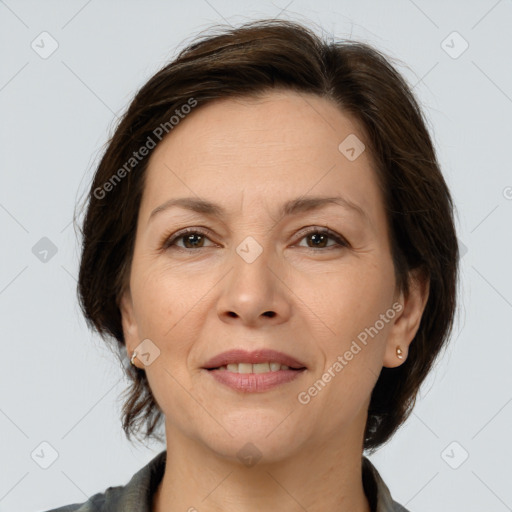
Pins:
<point x="254" y="382"/>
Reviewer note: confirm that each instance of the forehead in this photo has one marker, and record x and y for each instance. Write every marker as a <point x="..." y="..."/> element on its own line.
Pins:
<point x="281" y="145"/>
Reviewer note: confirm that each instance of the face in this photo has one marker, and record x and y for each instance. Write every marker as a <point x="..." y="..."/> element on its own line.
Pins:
<point x="314" y="282"/>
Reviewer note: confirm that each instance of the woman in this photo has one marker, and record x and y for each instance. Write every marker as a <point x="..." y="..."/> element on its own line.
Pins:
<point x="270" y="242"/>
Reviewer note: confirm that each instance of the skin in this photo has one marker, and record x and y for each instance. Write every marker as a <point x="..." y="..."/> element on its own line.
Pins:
<point x="250" y="156"/>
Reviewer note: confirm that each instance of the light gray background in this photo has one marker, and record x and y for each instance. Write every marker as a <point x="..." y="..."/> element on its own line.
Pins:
<point x="60" y="384"/>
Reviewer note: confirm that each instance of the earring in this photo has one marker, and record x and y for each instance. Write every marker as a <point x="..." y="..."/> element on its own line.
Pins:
<point x="134" y="355"/>
<point x="399" y="353"/>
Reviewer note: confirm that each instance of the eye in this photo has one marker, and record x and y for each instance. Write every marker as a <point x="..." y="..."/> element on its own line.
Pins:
<point x="319" y="237"/>
<point x="191" y="236"/>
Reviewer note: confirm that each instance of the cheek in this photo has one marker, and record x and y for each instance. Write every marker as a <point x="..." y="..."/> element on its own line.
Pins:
<point x="357" y="308"/>
<point x="354" y="346"/>
<point x="168" y="309"/>
<point x="352" y="298"/>
<point x="162" y="292"/>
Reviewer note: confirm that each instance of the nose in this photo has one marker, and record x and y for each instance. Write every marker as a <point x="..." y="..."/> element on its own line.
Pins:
<point x="254" y="293"/>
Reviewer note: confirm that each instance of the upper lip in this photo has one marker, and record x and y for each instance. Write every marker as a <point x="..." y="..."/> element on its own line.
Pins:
<point x="253" y="357"/>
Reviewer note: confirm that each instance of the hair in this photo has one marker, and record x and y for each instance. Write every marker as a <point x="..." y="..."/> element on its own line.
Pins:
<point x="257" y="58"/>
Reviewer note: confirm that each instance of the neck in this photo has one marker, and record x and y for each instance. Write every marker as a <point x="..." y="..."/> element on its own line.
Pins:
<point x="323" y="476"/>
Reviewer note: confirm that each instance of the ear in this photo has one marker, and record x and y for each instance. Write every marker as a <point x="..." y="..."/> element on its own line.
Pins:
<point x="407" y="321"/>
<point x="129" y="323"/>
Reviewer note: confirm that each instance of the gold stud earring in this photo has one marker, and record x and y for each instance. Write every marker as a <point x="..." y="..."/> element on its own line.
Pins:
<point x="134" y="355"/>
<point x="399" y="353"/>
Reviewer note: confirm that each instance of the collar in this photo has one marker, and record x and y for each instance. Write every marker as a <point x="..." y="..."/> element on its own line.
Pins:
<point x="377" y="491"/>
<point x="137" y="495"/>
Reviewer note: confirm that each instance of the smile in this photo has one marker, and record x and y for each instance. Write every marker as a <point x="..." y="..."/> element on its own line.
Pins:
<point x="254" y="368"/>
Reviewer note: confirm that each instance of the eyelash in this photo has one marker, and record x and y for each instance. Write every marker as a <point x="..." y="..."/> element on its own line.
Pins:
<point x="169" y="240"/>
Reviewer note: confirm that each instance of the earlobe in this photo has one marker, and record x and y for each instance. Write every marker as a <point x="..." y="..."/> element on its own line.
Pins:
<point x="407" y="322"/>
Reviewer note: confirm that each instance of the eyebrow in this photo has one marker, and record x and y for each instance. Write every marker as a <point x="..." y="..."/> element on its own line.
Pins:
<point x="291" y="207"/>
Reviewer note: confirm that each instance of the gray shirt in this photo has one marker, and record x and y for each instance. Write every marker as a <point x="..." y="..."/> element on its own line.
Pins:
<point x="137" y="494"/>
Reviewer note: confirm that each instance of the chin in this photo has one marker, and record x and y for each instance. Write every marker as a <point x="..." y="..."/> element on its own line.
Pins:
<point x="256" y="437"/>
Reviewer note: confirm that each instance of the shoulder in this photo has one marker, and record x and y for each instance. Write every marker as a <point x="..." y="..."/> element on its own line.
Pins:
<point x="377" y="491"/>
<point x="399" y="508"/>
<point x="99" y="502"/>
<point x="135" y="496"/>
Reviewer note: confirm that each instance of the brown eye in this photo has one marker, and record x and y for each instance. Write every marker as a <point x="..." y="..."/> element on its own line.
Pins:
<point x="192" y="239"/>
<point x="319" y="239"/>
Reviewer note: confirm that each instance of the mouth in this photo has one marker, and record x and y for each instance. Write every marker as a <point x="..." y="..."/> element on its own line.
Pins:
<point x="258" y="361"/>
<point x="255" y="377"/>
<point x="246" y="368"/>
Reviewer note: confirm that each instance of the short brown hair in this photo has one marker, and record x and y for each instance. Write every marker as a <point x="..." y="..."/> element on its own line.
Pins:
<point x="250" y="60"/>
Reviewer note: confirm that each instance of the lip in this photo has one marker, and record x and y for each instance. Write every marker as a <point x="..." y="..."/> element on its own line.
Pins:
<point x="253" y="357"/>
<point x="254" y="382"/>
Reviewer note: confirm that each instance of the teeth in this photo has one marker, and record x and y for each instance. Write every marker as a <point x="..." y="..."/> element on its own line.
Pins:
<point x="261" y="368"/>
<point x="254" y="368"/>
<point x="245" y="368"/>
